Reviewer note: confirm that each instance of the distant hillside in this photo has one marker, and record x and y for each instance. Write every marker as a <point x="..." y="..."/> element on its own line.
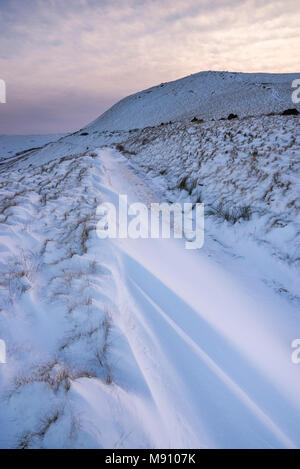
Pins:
<point x="205" y="95"/>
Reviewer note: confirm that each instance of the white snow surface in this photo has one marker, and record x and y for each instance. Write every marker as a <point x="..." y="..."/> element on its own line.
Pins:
<point x="142" y="343"/>
<point x="132" y="343"/>
<point x="12" y="144"/>
<point x="204" y="95"/>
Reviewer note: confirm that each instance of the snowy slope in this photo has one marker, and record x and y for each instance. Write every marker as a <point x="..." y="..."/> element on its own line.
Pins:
<point x="143" y="344"/>
<point x="12" y="144"/>
<point x="214" y="350"/>
<point x="126" y="343"/>
<point x="204" y="95"/>
<point x="247" y="174"/>
<point x="245" y="171"/>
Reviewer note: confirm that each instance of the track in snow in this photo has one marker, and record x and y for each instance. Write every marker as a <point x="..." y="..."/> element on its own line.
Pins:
<point x="210" y="355"/>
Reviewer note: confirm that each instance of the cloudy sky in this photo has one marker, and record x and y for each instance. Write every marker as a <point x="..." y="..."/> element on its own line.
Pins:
<point x="66" y="61"/>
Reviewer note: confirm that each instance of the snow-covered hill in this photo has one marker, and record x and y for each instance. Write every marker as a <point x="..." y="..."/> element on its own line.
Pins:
<point x="204" y="95"/>
<point x="141" y="343"/>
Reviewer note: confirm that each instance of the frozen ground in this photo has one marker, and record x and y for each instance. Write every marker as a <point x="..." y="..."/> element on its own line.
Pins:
<point x="144" y="344"/>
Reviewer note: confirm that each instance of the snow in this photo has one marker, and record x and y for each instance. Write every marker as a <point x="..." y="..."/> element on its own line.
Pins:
<point x="192" y="334"/>
<point x="204" y="95"/>
<point x="195" y="360"/>
<point x="142" y="343"/>
<point x="246" y="173"/>
<point x="12" y="144"/>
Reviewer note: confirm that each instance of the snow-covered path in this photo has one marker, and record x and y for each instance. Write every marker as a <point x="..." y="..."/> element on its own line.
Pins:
<point x="208" y="355"/>
<point x="131" y="343"/>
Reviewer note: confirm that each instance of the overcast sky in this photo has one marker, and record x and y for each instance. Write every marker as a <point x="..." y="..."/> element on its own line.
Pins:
<point x="67" y="61"/>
